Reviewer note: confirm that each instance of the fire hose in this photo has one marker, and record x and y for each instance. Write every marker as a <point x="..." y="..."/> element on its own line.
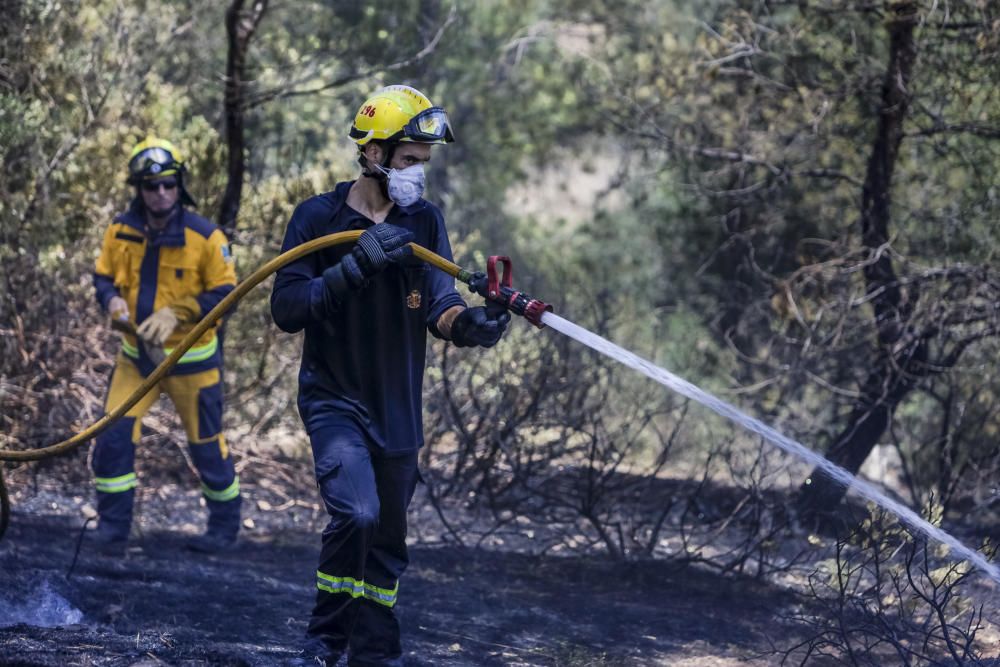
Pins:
<point x="494" y="288"/>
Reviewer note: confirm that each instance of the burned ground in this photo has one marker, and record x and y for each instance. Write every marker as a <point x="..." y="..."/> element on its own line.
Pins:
<point x="160" y="604"/>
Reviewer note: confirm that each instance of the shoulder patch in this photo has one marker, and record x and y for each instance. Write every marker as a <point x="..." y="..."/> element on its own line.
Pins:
<point x="134" y="238"/>
<point x="227" y="254"/>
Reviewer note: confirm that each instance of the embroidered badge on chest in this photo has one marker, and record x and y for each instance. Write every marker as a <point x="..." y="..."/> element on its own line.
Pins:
<point x="413" y="299"/>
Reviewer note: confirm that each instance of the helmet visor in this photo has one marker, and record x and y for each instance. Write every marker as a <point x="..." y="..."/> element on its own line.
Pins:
<point x="429" y="125"/>
<point x="150" y="162"/>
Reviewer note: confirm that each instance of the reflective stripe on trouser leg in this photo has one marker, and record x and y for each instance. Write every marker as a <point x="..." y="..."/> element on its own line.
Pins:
<point x="119" y="484"/>
<point x="357" y="589"/>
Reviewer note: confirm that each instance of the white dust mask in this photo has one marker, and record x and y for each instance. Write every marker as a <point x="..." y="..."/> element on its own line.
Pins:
<point x="405" y="186"/>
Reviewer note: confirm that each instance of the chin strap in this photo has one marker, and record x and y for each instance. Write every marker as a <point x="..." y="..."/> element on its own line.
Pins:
<point x="365" y="171"/>
<point x="383" y="180"/>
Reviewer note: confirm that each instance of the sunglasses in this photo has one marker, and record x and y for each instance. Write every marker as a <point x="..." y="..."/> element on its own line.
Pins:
<point x="150" y="186"/>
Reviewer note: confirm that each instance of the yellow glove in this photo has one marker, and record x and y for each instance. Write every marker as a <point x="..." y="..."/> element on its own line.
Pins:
<point x="157" y="327"/>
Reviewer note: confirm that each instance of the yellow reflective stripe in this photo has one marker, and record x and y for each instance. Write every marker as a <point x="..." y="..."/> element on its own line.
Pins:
<point x="228" y="493"/>
<point x="383" y="596"/>
<point x="352" y="587"/>
<point x="116" y="484"/>
<point x="356" y="588"/>
<point x="200" y="353"/>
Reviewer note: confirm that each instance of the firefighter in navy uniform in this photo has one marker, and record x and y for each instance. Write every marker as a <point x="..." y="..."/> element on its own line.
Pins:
<point x="365" y="311"/>
<point x="161" y="268"/>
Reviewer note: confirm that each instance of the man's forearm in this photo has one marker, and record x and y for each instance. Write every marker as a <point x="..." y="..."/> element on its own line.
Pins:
<point x="298" y="301"/>
<point x="447" y="318"/>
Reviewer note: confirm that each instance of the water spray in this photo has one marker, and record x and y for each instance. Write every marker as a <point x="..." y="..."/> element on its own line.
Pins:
<point x="500" y="290"/>
<point x="717" y="405"/>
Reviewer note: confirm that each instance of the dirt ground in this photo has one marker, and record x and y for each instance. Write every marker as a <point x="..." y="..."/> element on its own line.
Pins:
<point x="162" y="605"/>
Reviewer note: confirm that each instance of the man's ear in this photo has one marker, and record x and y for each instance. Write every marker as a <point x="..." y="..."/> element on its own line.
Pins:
<point x="374" y="153"/>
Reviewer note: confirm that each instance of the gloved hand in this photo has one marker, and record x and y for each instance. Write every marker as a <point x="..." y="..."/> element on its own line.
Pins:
<point x="155" y="329"/>
<point x="474" y="326"/>
<point x="156" y="353"/>
<point x="379" y="245"/>
<point x="118" y="308"/>
<point x="376" y="248"/>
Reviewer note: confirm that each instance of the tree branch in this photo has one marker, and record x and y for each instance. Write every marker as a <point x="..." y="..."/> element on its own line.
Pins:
<point x="977" y="129"/>
<point x="281" y="93"/>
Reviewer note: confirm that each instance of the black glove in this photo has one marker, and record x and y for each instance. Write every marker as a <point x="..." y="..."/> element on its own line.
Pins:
<point x="376" y="248"/>
<point x="379" y="245"/>
<point x="474" y="326"/>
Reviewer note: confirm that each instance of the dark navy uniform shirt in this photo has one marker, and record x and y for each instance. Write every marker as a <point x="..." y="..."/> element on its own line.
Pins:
<point x="364" y="359"/>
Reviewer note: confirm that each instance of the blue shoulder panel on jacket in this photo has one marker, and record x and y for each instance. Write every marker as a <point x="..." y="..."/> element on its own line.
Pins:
<point x="132" y="218"/>
<point x="198" y="224"/>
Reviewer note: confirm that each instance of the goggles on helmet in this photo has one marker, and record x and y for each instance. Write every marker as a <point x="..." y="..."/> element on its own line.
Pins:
<point x="152" y="162"/>
<point x="429" y="125"/>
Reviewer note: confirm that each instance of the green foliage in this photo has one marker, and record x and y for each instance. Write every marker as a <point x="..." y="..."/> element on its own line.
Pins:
<point x="758" y="121"/>
<point x="681" y="177"/>
<point x="693" y="167"/>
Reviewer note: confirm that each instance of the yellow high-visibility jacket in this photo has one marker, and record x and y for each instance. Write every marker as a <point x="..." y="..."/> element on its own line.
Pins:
<point x="188" y="266"/>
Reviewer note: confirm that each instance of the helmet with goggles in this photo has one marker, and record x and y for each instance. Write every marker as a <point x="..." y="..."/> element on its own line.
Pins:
<point x="400" y="113"/>
<point x="155" y="158"/>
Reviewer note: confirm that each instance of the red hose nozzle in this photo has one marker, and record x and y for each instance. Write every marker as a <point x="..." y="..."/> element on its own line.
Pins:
<point x="498" y="289"/>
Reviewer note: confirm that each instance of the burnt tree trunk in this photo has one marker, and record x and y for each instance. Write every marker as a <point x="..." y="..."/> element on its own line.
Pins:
<point x="900" y="357"/>
<point x="240" y="25"/>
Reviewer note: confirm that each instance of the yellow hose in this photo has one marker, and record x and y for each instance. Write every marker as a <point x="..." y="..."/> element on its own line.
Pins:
<point x="207" y="321"/>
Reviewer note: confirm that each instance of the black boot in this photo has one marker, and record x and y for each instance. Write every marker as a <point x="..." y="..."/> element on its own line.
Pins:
<point x="214" y="540"/>
<point x="315" y="653"/>
<point x="109" y="538"/>
<point x="223" y="526"/>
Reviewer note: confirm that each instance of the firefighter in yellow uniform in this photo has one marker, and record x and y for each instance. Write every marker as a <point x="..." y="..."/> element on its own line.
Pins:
<point x="162" y="268"/>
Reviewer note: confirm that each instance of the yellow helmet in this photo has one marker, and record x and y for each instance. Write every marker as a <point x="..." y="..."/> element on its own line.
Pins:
<point x="400" y="113"/>
<point x="153" y="158"/>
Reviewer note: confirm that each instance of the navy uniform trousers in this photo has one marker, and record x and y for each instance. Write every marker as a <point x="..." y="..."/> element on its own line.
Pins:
<point x="364" y="545"/>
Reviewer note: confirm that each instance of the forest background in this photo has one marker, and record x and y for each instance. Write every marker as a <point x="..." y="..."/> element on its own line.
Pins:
<point x="792" y="204"/>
